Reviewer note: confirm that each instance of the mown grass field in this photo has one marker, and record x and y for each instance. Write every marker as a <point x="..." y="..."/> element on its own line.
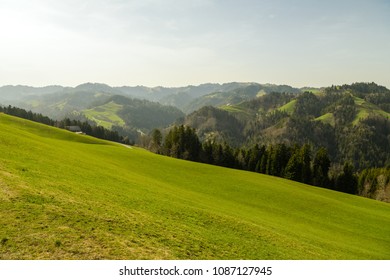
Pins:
<point x="68" y="196"/>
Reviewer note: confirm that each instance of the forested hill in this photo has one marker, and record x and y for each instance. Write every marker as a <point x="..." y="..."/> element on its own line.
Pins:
<point x="350" y="121"/>
<point x="237" y="95"/>
<point x="128" y="114"/>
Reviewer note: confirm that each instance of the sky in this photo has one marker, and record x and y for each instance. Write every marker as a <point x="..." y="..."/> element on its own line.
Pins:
<point x="185" y="42"/>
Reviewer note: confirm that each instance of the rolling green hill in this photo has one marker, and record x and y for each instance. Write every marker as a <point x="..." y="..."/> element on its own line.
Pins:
<point x="68" y="196"/>
<point x="366" y="109"/>
<point x="105" y="115"/>
<point x="134" y="113"/>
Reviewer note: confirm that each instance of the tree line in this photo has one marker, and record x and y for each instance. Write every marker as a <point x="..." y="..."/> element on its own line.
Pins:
<point x="85" y="126"/>
<point x="295" y="162"/>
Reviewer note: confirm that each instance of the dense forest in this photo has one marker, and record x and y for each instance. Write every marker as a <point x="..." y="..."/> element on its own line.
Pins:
<point x="350" y="121"/>
<point x="302" y="163"/>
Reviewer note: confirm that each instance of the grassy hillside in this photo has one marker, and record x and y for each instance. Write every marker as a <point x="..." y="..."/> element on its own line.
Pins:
<point x="105" y="115"/>
<point x="67" y="196"/>
<point x="365" y="109"/>
<point x="289" y="107"/>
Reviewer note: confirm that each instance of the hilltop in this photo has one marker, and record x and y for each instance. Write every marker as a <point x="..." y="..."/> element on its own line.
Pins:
<point x="122" y="203"/>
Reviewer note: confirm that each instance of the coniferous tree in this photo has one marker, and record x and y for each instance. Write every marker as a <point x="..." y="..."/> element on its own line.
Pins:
<point x="306" y="164"/>
<point x="254" y="155"/>
<point x="321" y="165"/>
<point x="294" y="168"/>
<point x="156" y="141"/>
<point x="263" y="162"/>
<point x="347" y="181"/>
<point x="270" y="158"/>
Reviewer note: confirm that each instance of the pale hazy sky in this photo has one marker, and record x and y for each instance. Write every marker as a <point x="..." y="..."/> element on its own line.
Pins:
<point x="179" y="42"/>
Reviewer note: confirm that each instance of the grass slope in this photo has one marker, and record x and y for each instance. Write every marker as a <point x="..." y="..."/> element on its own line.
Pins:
<point x="105" y="115"/>
<point x="67" y="196"/>
<point x="327" y="118"/>
<point x="365" y="109"/>
<point x="289" y="107"/>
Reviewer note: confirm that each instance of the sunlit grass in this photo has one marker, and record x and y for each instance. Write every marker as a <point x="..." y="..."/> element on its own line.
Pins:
<point x="105" y="115"/>
<point x="68" y="196"/>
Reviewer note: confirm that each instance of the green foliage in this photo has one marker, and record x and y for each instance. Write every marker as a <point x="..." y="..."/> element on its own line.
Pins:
<point x="321" y="165"/>
<point x="306" y="164"/>
<point x="182" y="142"/>
<point x="294" y="168"/>
<point x="347" y="181"/>
<point x="145" y="115"/>
<point x="278" y="157"/>
<point x="375" y="183"/>
<point x="213" y="124"/>
<point x="29" y="115"/>
<point x="156" y="142"/>
<point x="307" y="104"/>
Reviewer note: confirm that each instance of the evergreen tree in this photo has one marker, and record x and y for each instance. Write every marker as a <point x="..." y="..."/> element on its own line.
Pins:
<point x="207" y="153"/>
<point x="294" y="168"/>
<point x="270" y="158"/>
<point x="321" y="165"/>
<point x="156" y="141"/>
<point x="263" y="162"/>
<point x="347" y="181"/>
<point x="182" y="142"/>
<point x="306" y="164"/>
<point x="254" y="155"/>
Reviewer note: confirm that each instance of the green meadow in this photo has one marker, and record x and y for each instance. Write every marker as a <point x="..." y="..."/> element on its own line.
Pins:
<point x="289" y="107"/>
<point x="105" y="115"/>
<point x="68" y="196"/>
<point x="365" y="109"/>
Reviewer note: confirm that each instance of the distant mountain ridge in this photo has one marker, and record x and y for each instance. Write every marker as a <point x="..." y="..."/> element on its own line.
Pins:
<point x="12" y="93"/>
<point x="180" y="97"/>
